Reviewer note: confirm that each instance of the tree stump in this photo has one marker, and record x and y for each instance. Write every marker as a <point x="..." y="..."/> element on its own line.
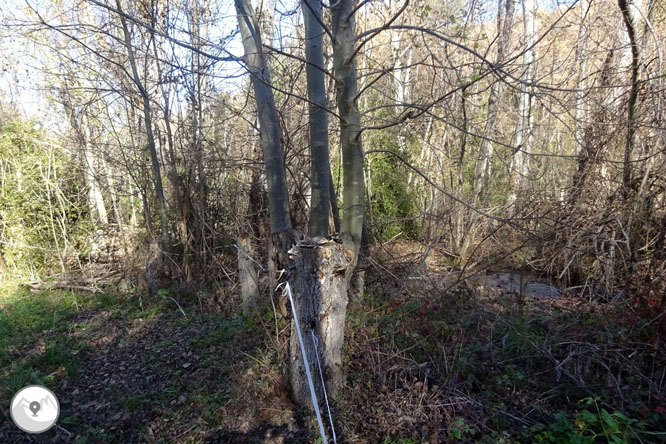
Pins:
<point x="247" y="275"/>
<point x="323" y="270"/>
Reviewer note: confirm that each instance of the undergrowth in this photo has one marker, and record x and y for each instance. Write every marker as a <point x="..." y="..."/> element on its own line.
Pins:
<point x="490" y="367"/>
<point x="469" y="365"/>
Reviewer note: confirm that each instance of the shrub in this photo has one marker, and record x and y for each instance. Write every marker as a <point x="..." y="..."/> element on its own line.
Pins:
<point x="39" y="200"/>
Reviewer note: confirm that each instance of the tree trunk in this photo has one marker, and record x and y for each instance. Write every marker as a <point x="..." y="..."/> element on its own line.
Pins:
<point x="581" y="57"/>
<point x="484" y="161"/>
<point x="335" y="212"/>
<point x="154" y="160"/>
<point x="110" y="183"/>
<point x="520" y="163"/>
<point x="323" y="274"/>
<point x="318" y="119"/>
<point x="629" y="15"/>
<point x="247" y="275"/>
<point x="581" y="132"/>
<point x="324" y="267"/>
<point x="401" y="78"/>
<point x="94" y="192"/>
<point x="269" y="124"/>
<point x="638" y="208"/>
<point x="95" y="199"/>
<point x="3" y="268"/>
<point x="346" y="83"/>
<point x="270" y="137"/>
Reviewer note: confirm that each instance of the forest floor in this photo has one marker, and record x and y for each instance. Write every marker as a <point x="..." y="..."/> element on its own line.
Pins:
<point x="475" y="364"/>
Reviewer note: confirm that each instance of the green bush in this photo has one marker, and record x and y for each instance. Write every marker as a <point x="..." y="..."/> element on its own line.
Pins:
<point x="394" y="206"/>
<point x="594" y="424"/>
<point x="39" y="200"/>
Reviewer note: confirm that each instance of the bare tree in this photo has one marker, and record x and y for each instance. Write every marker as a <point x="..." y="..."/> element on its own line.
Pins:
<point x="520" y="163"/>
<point x="269" y="126"/>
<point x="95" y="198"/>
<point x="505" y="12"/>
<point x="629" y="15"/>
<point x="165" y="243"/>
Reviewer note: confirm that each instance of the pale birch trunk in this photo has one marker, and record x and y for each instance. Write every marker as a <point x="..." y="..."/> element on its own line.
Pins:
<point x="95" y="197"/>
<point x="109" y="182"/>
<point x="581" y="116"/>
<point x="520" y="163"/>
<point x="134" y="220"/>
<point x="484" y="160"/>
<point x="247" y="275"/>
<point x="401" y="77"/>
<point x="581" y="83"/>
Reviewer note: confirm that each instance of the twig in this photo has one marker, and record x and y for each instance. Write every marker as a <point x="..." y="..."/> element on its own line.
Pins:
<point x="179" y="307"/>
<point x="62" y="286"/>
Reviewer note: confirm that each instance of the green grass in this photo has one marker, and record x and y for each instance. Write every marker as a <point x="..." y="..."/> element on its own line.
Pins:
<point x="37" y="334"/>
<point x="221" y="333"/>
<point x="95" y="435"/>
<point x="48" y="337"/>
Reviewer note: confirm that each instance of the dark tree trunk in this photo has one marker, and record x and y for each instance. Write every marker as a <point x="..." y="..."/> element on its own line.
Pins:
<point x="630" y="23"/>
<point x="335" y="211"/>
<point x="324" y="267"/>
<point x="318" y="119"/>
<point x="323" y="273"/>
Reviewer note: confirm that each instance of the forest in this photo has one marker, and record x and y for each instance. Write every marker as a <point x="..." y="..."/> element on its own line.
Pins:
<point x="354" y="221"/>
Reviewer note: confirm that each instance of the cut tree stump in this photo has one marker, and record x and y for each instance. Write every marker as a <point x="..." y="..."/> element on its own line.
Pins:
<point x="247" y="275"/>
<point x="323" y="270"/>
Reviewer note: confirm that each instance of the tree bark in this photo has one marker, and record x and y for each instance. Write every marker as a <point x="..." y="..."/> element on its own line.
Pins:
<point x="181" y="192"/>
<point x="270" y="137"/>
<point x="269" y="124"/>
<point x="484" y="160"/>
<point x="94" y="191"/>
<point x="324" y="267"/>
<point x="581" y="56"/>
<point x="110" y="183"/>
<point x="630" y="21"/>
<point x="346" y="84"/>
<point x="154" y="160"/>
<point x="318" y="119"/>
<point x="520" y="163"/>
<point x="335" y="212"/>
<point x="247" y="275"/>
<point x="95" y="199"/>
<point x="323" y="274"/>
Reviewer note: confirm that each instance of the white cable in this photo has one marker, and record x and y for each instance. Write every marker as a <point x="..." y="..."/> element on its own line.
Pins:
<point x="242" y="251"/>
<point x="305" y="363"/>
<point x="323" y="385"/>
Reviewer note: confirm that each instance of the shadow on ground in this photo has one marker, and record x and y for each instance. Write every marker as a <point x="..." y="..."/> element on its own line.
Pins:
<point x="125" y="375"/>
